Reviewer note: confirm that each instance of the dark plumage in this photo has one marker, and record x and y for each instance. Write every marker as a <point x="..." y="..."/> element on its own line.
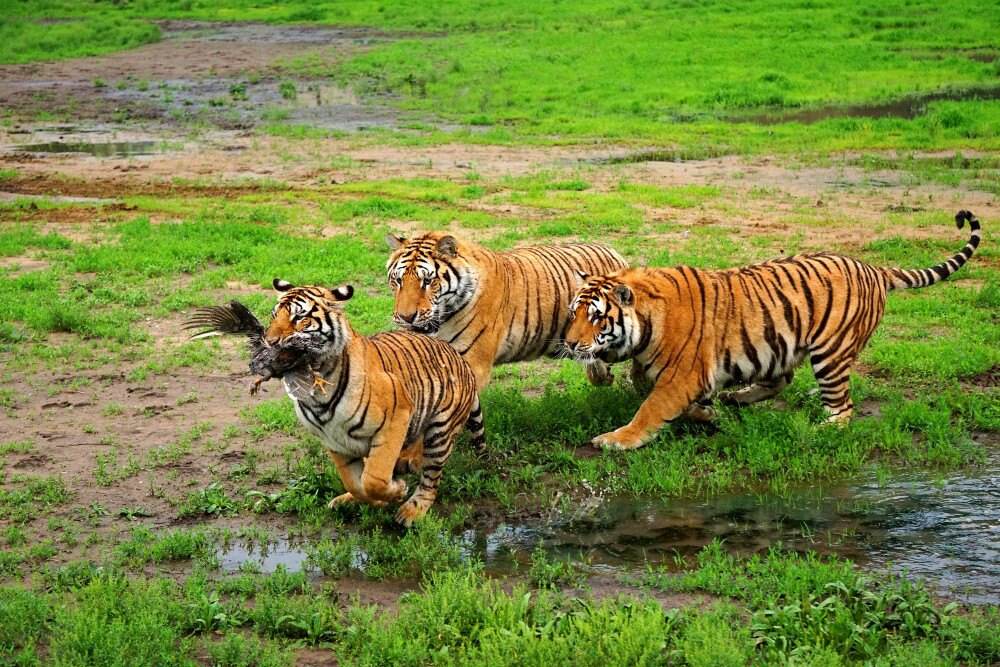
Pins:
<point x="234" y="318"/>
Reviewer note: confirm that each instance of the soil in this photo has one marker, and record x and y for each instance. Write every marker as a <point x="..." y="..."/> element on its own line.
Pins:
<point x="192" y="73"/>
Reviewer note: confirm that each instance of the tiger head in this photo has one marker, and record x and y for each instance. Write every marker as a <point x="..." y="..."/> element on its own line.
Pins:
<point x="603" y="324"/>
<point x="431" y="280"/>
<point x="307" y="324"/>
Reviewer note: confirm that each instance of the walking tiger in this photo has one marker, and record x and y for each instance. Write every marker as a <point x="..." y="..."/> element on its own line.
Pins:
<point x="690" y="332"/>
<point x="493" y="307"/>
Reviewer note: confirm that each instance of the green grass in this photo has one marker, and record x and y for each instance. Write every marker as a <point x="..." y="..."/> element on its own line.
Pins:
<point x="668" y="73"/>
<point x="31" y="31"/>
<point x="766" y="610"/>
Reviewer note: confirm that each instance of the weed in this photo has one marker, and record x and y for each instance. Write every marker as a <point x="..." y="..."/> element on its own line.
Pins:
<point x="546" y="573"/>
<point x="287" y="90"/>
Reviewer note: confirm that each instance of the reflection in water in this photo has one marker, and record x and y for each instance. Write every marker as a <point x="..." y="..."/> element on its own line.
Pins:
<point x="266" y="558"/>
<point x="945" y="530"/>
<point x="98" y="149"/>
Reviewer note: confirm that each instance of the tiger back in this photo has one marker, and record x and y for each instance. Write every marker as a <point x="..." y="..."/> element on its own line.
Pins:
<point x="493" y="307"/>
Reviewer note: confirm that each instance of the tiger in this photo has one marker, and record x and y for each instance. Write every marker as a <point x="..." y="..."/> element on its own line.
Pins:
<point x="690" y="331"/>
<point x="493" y="307"/>
<point x="382" y="405"/>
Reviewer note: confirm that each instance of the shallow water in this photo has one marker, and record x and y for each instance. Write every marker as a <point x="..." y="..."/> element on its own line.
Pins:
<point x="97" y="149"/>
<point x="945" y="530"/>
<point x="263" y="558"/>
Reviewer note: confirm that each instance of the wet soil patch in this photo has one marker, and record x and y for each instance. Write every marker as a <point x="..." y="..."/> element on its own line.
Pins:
<point x="97" y="149"/>
<point x="906" y="107"/>
<point x="223" y="74"/>
<point x="113" y="188"/>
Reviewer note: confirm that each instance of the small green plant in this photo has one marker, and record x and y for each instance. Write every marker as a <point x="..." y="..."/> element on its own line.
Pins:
<point x="546" y="573"/>
<point x="210" y="501"/>
<point x="112" y="410"/>
<point x="208" y="613"/>
<point x="238" y="92"/>
<point x="287" y="90"/>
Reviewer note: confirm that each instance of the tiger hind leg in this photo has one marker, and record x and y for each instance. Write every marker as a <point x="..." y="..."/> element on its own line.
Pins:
<point x="833" y="374"/>
<point x="599" y="374"/>
<point x="477" y="428"/>
<point x="437" y="449"/>
<point x="759" y="391"/>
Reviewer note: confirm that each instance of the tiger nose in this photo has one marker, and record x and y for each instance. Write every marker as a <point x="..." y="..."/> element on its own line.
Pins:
<point x="572" y="345"/>
<point x="408" y="318"/>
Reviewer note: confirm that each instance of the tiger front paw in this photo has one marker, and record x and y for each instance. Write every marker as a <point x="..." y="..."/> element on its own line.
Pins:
<point x="412" y="510"/>
<point x="600" y="374"/>
<point x="621" y="440"/>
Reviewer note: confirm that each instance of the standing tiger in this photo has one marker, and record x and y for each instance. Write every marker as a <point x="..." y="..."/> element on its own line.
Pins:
<point x="493" y="307"/>
<point x="380" y="405"/>
<point x="690" y="332"/>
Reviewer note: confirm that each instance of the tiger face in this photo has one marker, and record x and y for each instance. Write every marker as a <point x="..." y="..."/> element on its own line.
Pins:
<point x="307" y="324"/>
<point x="430" y="280"/>
<point x="603" y="323"/>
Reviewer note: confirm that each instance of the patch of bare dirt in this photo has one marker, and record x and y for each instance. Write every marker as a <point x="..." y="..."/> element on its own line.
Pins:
<point x="122" y="440"/>
<point x="603" y="587"/>
<point x="987" y="379"/>
<point x="22" y="264"/>
<point x="113" y="188"/>
<point x="315" y="657"/>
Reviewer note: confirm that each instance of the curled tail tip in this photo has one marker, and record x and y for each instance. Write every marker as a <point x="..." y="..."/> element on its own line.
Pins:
<point x="964" y="216"/>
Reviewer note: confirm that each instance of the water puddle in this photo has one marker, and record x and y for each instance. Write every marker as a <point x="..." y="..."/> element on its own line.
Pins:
<point x="262" y="558"/>
<point x="907" y="107"/>
<point x="945" y="530"/>
<point x="97" y="149"/>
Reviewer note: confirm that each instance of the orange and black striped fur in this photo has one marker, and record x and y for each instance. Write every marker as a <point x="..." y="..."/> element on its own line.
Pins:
<point x="381" y="405"/>
<point x="493" y="307"/>
<point x="691" y="332"/>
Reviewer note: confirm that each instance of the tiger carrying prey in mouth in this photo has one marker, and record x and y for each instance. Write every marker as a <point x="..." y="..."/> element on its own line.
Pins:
<point x="381" y="405"/>
<point x="690" y="332"/>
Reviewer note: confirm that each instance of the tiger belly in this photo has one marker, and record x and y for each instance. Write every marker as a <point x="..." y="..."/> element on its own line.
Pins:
<point x="762" y="364"/>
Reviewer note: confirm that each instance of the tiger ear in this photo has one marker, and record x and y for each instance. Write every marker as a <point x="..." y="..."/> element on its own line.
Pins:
<point x="282" y="285"/>
<point x="343" y="293"/>
<point x="624" y="295"/>
<point x="394" y="242"/>
<point x="447" y="246"/>
<point x="582" y="277"/>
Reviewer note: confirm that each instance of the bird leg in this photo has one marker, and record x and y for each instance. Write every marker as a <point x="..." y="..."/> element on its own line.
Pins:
<point x="255" y="385"/>
<point x="319" y="382"/>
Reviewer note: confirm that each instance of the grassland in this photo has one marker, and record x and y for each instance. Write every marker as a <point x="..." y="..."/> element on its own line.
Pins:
<point x="77" y="312"/>
<point x="135" y="471"/>
<point x="687" y="75"/>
